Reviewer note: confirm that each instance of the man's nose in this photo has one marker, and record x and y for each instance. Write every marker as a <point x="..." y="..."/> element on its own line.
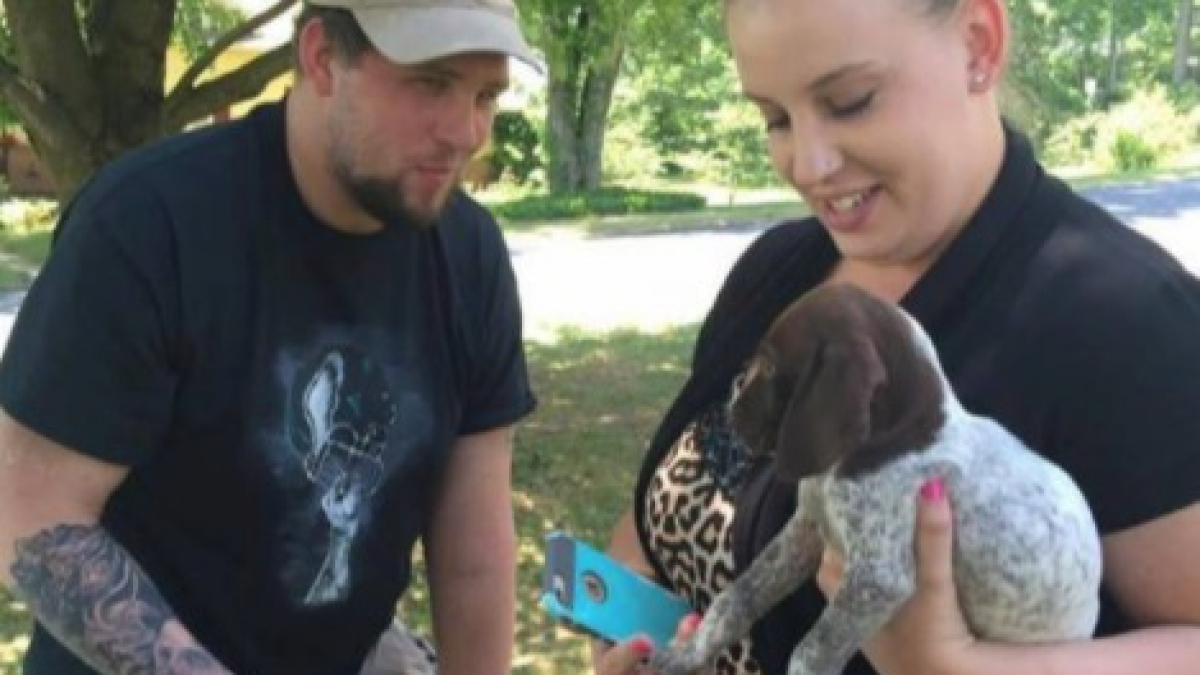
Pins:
<point x="463" y="126"/>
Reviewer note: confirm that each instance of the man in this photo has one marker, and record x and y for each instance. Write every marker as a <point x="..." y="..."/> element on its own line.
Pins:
<point x="263" y="360"/>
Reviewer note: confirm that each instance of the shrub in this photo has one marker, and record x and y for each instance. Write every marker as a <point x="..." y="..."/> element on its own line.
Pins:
<point x="1141" y="133"/>
<point x="1132" y="152"/>
<point x="19" y="216"/>
<point x="514" y="147"/>
<point x="603" y="202"/>
<point x="1071" y="144"/>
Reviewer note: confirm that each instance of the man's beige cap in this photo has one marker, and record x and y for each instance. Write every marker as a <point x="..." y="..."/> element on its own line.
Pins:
<point x="416" y="31"/>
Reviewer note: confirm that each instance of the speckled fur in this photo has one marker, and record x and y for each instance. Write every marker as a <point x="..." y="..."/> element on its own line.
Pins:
<point x="1027" y="556"/>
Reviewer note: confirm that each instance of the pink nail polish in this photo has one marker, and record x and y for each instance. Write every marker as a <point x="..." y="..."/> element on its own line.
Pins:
<point x="691" y="622"/>
<point x="933" y="490"/>
<point x="642" y="646"/>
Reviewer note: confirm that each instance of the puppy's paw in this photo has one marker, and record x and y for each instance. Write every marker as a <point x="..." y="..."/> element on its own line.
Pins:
<point x="679" y="660"/>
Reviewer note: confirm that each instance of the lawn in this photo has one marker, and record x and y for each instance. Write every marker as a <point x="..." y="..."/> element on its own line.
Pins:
<point x="20" y="255"/>
<point x="600" y="398"/>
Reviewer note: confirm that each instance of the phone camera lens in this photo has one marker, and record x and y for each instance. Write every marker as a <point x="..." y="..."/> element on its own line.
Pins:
<point x="593" y="585"/>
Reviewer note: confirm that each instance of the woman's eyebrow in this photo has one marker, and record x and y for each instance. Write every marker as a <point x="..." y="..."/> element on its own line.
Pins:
<point x="822" y="82"/>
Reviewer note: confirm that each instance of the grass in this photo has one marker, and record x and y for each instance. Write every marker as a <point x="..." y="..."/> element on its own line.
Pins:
<point x="711" y="218"/>
<point x="20" y="256"/>
<point x="14" y="631"/>
<point x="1082" y="179"/>
<point x="600" y="397"/>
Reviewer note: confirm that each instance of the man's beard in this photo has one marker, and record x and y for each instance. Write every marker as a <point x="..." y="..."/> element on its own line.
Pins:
<point x="384" y="200"/>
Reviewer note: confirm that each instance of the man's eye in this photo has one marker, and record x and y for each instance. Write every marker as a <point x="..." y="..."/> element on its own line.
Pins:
<point x="777" y="122"/>
<point x="433" y="85"/>
<point x="853" y="108"/>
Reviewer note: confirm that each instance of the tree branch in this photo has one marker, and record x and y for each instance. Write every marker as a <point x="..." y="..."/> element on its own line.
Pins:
<point x="188" y="80"/>
<point x="41" y="117"/>
<point x="50" y="56"/>
<point x="187" y="105"/>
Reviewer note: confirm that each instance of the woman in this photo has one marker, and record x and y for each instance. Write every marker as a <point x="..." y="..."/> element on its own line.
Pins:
<point x="1049" y="315"/>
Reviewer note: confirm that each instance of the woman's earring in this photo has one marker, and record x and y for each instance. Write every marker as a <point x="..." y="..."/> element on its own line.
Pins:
<point x="978" y="81"/>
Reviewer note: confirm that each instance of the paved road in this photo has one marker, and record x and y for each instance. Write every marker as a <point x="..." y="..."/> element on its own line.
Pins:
<point x="655" y="281"/>
<point x="652" y="282"/>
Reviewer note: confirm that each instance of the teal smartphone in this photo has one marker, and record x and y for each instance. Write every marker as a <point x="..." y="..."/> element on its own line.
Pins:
<point x="593" y="593"/>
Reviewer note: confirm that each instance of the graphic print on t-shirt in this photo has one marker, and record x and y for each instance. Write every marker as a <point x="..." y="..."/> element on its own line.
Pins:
<point x="342" y="412"/>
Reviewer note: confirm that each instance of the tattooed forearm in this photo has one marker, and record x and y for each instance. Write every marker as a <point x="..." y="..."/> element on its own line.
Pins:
<point x="87" y="591"/>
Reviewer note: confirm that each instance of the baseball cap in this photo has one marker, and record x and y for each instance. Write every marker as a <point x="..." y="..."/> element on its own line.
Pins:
<point x="416" y="31"/>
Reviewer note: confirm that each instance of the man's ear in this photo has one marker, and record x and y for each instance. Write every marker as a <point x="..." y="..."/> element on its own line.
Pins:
<point x="315" y="57"/>
<point x="829" y="413"/>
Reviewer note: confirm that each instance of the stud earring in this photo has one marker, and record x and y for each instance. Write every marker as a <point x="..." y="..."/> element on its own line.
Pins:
<point x="978" y="80"/>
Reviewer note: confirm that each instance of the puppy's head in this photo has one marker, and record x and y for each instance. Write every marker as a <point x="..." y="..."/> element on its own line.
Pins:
<point x="841" y="379"/>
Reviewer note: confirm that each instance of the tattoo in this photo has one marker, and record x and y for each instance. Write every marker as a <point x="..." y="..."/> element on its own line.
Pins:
<point x="86" y="590"/>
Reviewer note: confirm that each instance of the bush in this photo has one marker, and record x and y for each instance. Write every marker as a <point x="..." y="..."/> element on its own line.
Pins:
<point x="1131" y="152"/>
<point x="603" y="202"/>
<point x="1141" y="133"/>
<point x="514" y="147"/>
<point x="20" y="216"/>
<point x="1072" y="143"/>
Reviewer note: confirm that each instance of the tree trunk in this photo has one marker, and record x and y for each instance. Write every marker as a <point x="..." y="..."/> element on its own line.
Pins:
<point x="1112" y="80"/>
<point x="87" y="90"/>
<point x="581" y="80"/>
<point x="1183" y="42"/>
<point x="597" y="101"/>
<point x="563" y="167"/>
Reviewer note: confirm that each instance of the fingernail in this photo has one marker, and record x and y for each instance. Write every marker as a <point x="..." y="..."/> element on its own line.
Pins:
<point x="933" y="490"/>
<point x="642" y="646"/>
<point x="691" y="621"/>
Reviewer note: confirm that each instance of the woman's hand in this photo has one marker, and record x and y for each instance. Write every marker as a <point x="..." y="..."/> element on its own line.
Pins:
<point x="929" y="635"/>
<point x="623" y="658"/>
<point x="629" y="657"/>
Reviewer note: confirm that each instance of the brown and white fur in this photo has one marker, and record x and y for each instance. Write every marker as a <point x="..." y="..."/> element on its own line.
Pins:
<point x="847" y="394"/>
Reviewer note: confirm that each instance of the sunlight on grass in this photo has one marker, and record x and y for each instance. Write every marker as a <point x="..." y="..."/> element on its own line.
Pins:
<point x="14" y="629"/>
<point x="20" y="256"/>
<point x="577" y="458"/>
<point x="600" y="396"/>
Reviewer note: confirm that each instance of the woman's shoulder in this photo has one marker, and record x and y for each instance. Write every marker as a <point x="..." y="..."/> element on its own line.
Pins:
<point x="1093" y="267"/>
<point x="1098" y="299"/>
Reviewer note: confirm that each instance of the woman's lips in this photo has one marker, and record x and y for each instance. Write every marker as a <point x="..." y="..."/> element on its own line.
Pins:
<point x="848" y="212"/>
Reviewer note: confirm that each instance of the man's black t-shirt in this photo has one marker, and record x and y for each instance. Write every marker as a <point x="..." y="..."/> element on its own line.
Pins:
<point x="286" y="395"/>
<point x="1073" y="331"/>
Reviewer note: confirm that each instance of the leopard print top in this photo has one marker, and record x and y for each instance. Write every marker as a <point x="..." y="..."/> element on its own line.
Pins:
<point x="689" y="518"/>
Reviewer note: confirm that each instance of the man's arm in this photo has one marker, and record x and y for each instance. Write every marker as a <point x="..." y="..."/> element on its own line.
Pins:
<point x="471" y="554"/>
<point x="77" y="580"/>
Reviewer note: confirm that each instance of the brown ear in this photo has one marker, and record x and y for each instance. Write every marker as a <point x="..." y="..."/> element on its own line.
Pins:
<point x="829" y="413"/>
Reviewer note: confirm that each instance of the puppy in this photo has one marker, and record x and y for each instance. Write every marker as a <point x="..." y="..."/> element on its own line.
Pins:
<point x="847" y="395"/>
